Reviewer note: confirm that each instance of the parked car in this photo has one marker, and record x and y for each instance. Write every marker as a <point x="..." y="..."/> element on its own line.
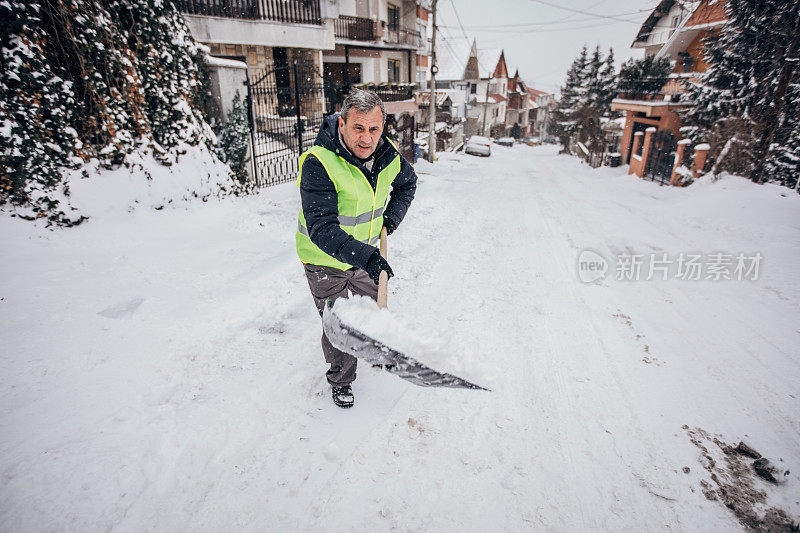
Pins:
<point x="505" y="141"/>
<point x="477" y="145"/>
<point x="533" y="141"/>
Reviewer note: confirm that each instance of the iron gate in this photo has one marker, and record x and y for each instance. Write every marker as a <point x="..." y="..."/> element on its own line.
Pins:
<point x="661" y="159"/>
<point x="287" y="105"/>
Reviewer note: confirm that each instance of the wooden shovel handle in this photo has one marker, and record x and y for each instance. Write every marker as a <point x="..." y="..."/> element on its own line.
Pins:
<point x="383" y="279"/>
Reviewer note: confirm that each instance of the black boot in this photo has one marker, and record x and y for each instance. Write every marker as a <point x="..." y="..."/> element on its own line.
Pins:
<point x="342" y="396"/>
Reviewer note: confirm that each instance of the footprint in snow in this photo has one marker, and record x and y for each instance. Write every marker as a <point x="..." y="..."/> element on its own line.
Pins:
<point x="123" y="309"/>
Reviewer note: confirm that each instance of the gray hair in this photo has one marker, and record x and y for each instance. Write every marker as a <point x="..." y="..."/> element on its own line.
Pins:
<point x="362" y="100"/>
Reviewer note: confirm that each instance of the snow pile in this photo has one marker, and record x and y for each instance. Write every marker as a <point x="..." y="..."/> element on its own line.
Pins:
<point x="426" y="346"/>
<point x="144" y="182"/>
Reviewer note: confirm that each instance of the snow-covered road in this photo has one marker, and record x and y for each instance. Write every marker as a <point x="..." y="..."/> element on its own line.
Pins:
<point x="162" y="369"/>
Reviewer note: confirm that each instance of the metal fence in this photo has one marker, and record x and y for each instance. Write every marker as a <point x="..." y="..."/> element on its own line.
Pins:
<point x="661" y="157"/>
<point x="287" y="105"/>
<point x="291" y="11"/>
<point x="402" y="35"/>
<point x="354" y="28"/>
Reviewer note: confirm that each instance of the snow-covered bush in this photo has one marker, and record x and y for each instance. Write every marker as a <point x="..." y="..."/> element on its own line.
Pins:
<point x="235" y="139"/>
<point x="37" y="106"/>
<point x="91" y="79"/>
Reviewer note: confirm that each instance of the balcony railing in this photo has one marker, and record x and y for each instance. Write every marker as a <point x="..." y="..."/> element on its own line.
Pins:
<point x="354" y="28"/>
<point x="291" y="11"/>
<point x="391" y="92"/>
<point x="401" y="35"/>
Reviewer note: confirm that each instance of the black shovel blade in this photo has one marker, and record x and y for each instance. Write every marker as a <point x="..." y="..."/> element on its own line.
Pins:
<point x="357" y="344"/>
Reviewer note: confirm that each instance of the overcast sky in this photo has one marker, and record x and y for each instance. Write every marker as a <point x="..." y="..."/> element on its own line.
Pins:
<point x="540" y="37"/>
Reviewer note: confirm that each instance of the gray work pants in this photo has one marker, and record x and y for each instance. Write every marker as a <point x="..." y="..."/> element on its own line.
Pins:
<point x="327" y="283"/>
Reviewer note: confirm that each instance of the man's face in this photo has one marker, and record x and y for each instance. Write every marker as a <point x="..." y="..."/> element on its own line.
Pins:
<point x="362" y="131"/>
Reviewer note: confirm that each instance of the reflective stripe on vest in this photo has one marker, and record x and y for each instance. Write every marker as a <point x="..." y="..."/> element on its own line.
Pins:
<point x="302" y="229"/>
<point x="360" y="207"/>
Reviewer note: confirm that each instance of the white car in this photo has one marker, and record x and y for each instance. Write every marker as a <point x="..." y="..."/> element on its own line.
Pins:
<point x="477" y="145"/>
<point x="505" y="141"/>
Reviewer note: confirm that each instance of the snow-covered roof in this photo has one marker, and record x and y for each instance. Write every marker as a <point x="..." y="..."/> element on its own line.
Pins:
<point x="684" y="35"/>
<point x="493" y="99"/>
<point x="441" y="96"/>
<point x="660" y="10"/>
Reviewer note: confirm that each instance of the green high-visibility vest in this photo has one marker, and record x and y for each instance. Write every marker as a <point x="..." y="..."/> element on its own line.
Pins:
<point x="360" y="208"/>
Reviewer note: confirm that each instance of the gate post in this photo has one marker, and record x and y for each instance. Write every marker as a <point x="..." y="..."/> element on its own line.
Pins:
<point x="252" y="123"/>
<point x="633" y="167"/>
<point x="700" y="155"/>
<point x="675" y="177"/>
<point x="299" y="126"/>
<point x="648" y="146"/>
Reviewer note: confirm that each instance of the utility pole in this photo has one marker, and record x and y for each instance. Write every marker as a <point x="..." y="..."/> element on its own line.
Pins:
<point x="485" y="104"/>
<point x="432" y="103"/>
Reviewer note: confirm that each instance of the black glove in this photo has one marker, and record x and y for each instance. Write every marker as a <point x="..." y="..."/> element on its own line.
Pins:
<point x="375" y="265"/>
<point x="389" y="224"/>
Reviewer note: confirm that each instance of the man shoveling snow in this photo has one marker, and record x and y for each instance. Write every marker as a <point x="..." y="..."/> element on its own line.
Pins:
<point x="353" y="182"/>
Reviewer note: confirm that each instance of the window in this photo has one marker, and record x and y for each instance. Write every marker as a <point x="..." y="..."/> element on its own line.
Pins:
<point x="473" y="88"/>
<point x="394" y="70"/>
<point x="393" y="18"/>
<point x="674" y="25"/>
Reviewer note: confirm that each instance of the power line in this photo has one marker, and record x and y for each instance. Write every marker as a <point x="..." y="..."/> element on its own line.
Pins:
<point x="545" y="23"/>
<point x="552" y="30"/>
<point x="595" y="15"/>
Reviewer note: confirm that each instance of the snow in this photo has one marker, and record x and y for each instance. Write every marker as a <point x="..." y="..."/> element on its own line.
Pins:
<point x="162" y="368"/>
<point x="427" y="347"/>
<point x="703" y="146"/>
<point x="213" y="61"/>
<point x="145" y="183"/>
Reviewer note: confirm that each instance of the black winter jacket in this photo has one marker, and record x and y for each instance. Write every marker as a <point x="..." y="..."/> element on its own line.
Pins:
<point x="321" y="205"/>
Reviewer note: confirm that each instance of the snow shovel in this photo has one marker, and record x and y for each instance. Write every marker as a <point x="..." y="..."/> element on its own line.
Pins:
<point x="350" y="340"/>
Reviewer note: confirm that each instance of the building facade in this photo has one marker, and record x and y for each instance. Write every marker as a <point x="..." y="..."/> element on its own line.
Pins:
<point x="674" y="30"/>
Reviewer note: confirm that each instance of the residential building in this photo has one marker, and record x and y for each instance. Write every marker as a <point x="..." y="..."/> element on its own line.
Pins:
<point x="675" y="30"/>
<point x="488" y="97"/>
<point x="542" y="105"/>
<point x="450" y="116"/>
<point x="518" y="106"/>
<point x="261" y="34"/>
<point x="379" y="44"/>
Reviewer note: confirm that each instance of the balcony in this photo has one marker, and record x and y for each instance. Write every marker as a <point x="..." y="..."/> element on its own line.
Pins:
<point x="402" y="35"/>
<point x="395" y="93"/>
<point x="387" y="92"/>
<point x="286" y="11"/>
<point x="354" y="28"/>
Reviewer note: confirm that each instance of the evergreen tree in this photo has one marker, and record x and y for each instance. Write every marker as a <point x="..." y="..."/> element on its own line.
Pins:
<point x="573" y="97"/>
<point x="608" y="86"/>
<point x="640" y="77"/>
<point x="748" y="99"/>
<point x="582" y="76"/>
<point x="594" y="89"/>
<point x="234" y="139"/>
<point x="585" y="100"/>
